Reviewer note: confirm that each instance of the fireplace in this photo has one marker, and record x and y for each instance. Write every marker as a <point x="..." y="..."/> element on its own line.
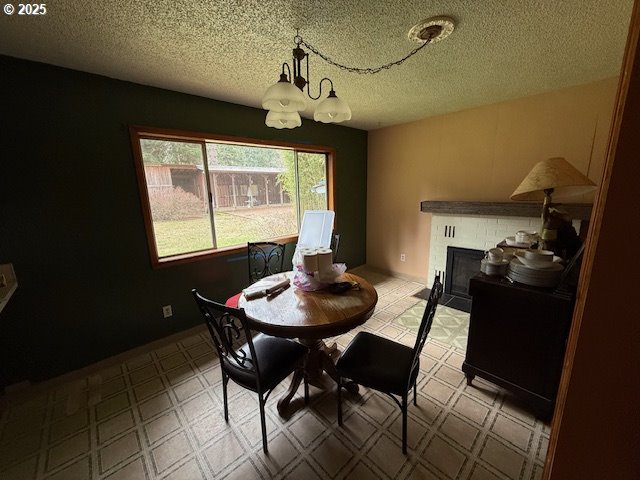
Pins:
<point x="462" y="264"/>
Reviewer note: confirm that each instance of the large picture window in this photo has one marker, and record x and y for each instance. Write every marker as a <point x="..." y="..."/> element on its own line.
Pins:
<point x="203" y="195"/>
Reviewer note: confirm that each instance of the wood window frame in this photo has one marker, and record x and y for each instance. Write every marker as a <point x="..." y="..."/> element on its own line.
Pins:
<point x="137" y="133"/>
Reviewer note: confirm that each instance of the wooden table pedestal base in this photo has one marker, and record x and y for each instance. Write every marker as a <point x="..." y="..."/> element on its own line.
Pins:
<point x="320" y="369"/>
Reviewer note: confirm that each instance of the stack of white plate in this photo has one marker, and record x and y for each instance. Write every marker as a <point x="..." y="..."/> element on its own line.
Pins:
<point x="545" y="275"/>
<point x="494" y="268"/>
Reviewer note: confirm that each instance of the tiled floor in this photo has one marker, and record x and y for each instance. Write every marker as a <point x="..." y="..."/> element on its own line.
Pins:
<point x="158" y="414"/>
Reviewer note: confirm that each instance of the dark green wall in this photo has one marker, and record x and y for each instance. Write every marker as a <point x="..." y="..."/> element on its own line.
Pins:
<point x="71" y="221"/>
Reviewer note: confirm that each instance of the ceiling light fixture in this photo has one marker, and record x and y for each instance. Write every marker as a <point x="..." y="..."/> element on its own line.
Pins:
<point x="285" y="99"/>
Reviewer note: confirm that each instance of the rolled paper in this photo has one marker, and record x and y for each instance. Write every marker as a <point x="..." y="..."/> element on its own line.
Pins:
<point x="325" y="260"/>
<point x="310" y="260"/>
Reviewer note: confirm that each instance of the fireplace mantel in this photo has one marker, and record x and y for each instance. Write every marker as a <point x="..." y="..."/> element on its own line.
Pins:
<point x="577" y="211"/>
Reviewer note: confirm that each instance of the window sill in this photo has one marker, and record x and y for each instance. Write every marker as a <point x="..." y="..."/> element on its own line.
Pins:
<point x="213" y="253"/>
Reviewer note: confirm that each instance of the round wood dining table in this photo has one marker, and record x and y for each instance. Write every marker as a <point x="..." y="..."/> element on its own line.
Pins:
<point x="310" y="317"/>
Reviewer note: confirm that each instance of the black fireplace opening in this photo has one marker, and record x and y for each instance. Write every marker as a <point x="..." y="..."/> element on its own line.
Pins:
<point x="462" y="264"/>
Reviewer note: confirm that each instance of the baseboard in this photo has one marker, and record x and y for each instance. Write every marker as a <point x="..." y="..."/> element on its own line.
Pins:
<point x="402" y="276"/>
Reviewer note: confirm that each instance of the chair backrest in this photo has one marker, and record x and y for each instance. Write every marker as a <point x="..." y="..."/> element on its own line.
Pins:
<point x="335" y="243"/>
<point x="265" y="258"/>
<point x="228" y="329"/>
<point x="427" y="320"/>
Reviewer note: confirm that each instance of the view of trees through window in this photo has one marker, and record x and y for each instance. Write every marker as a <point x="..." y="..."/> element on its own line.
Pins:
<point x="205" y="195"/>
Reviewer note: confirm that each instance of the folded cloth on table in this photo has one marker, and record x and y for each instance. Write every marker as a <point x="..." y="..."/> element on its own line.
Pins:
<point x="266" y="286"/>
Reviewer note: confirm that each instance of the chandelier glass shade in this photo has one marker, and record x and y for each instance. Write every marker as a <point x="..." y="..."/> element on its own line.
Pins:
<point x="281" y="120"/>
<point x="332" y="110"/>
<point x="283" y="97"/>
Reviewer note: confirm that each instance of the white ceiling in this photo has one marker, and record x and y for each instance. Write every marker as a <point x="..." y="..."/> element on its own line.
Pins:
<point x="232" y="50"/>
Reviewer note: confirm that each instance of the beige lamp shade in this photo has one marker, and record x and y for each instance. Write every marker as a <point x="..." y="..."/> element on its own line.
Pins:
<point x="553" y="173"/>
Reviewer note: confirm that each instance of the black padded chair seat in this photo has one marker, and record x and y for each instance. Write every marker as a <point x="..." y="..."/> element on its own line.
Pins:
<point x="275" y="358"/>
<point x="377" y="363"/>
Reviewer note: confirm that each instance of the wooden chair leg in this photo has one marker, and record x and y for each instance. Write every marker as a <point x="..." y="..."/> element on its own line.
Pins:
<point x="339" y="396"/>
<point x="225" y="380"/>
<point x="263" y="424"/>
<point x="404" y="424"/>
<point x="415" y="389"/>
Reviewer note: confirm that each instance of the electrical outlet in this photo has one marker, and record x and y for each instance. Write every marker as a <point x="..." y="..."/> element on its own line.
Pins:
<point x="403" y="257"/>
<point x="167" y="311"/>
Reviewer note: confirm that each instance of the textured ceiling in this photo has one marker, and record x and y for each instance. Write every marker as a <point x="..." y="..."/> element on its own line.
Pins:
<point x="232" y="50"/>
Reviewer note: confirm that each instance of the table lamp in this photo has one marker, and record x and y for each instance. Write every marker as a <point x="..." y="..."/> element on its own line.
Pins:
<point x="552" y="176"/>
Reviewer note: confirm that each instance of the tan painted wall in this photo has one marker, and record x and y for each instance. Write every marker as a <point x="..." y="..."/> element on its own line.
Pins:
<point x="480" y="154"/>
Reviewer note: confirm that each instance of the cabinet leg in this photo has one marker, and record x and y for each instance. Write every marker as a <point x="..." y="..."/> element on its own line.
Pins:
<point x="470" y="378"/>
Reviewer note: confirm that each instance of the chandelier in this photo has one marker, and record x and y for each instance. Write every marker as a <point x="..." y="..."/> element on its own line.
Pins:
<point x="285" y="99"/>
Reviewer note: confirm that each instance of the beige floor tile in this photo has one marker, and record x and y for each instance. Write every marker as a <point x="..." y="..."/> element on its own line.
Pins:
<point x="249" y="471"/>
<point x="143" y="374"/>
<point x="200" y="350"/>
<point x="25" y="470"/>
<point x="135" y="470"/>
<point x="118" y="451"/>
<point x="170" y="451"/>
<point x="223" y="452"/>
<point x="148" y="389"/>
<point x="420" y="472"/>
<point x="307" y="428"/>
<point x="444" y="457"/>
<point x="161" y="426"/>
<point x="191" y="340"/>
<point x="472" y="409"/>
<point x="209" y="427"/>
<point x="332" y="455"/>
<point x="199" y="405"/>
<point x="113" y="386"/>
<point x="68" y="425"/>
<point x="80" y="470"/>
<point x="386" y="454"/>
<point x="460" y="431"/>
<point x="512" y="432"/>
<point x="502" y="458"/>
<point x="188" y="389"/>
<point x="173" y="361"/>
<point x="180" y="374"/>
<point x="167" y="350"/>
<point x="139" y="361"/>
<point x="362" y="472"/>
<point x="378" y="408"/>
<point x="154" y="406"/>
<point x="68" y="449"/>
<point x="189" y="470"/>
<point x="251" y="429"/>
<point x="357" y="429"/>
<point x="282" y="453"/>
<point x="213" y="376"/>
<point x="481" y="473"/>
<point x="451" y="376"/>
<point x="438" y="391"/>
<point x="303" y="471"/>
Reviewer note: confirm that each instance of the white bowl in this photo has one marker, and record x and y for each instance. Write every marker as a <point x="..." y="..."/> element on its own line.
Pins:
<point x="539" y="255"/>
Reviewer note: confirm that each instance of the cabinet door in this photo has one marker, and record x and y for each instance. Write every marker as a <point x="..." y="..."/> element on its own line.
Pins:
<point x="519" y="335"/>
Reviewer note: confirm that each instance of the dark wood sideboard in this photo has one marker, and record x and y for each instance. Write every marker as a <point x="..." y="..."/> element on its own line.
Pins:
<point x="517" y="339"/>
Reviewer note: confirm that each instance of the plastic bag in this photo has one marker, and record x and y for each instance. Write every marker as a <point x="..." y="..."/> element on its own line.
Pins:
<point x="311" y="282"/>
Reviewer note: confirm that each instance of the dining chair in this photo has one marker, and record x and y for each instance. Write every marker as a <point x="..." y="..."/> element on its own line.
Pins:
<point x="259" y="364"/>
<point x="387" y="366"/>
<point x="264" y="259"/>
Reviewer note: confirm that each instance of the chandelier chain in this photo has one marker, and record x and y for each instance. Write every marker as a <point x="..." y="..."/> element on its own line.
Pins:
<point x="360" y="70"/>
